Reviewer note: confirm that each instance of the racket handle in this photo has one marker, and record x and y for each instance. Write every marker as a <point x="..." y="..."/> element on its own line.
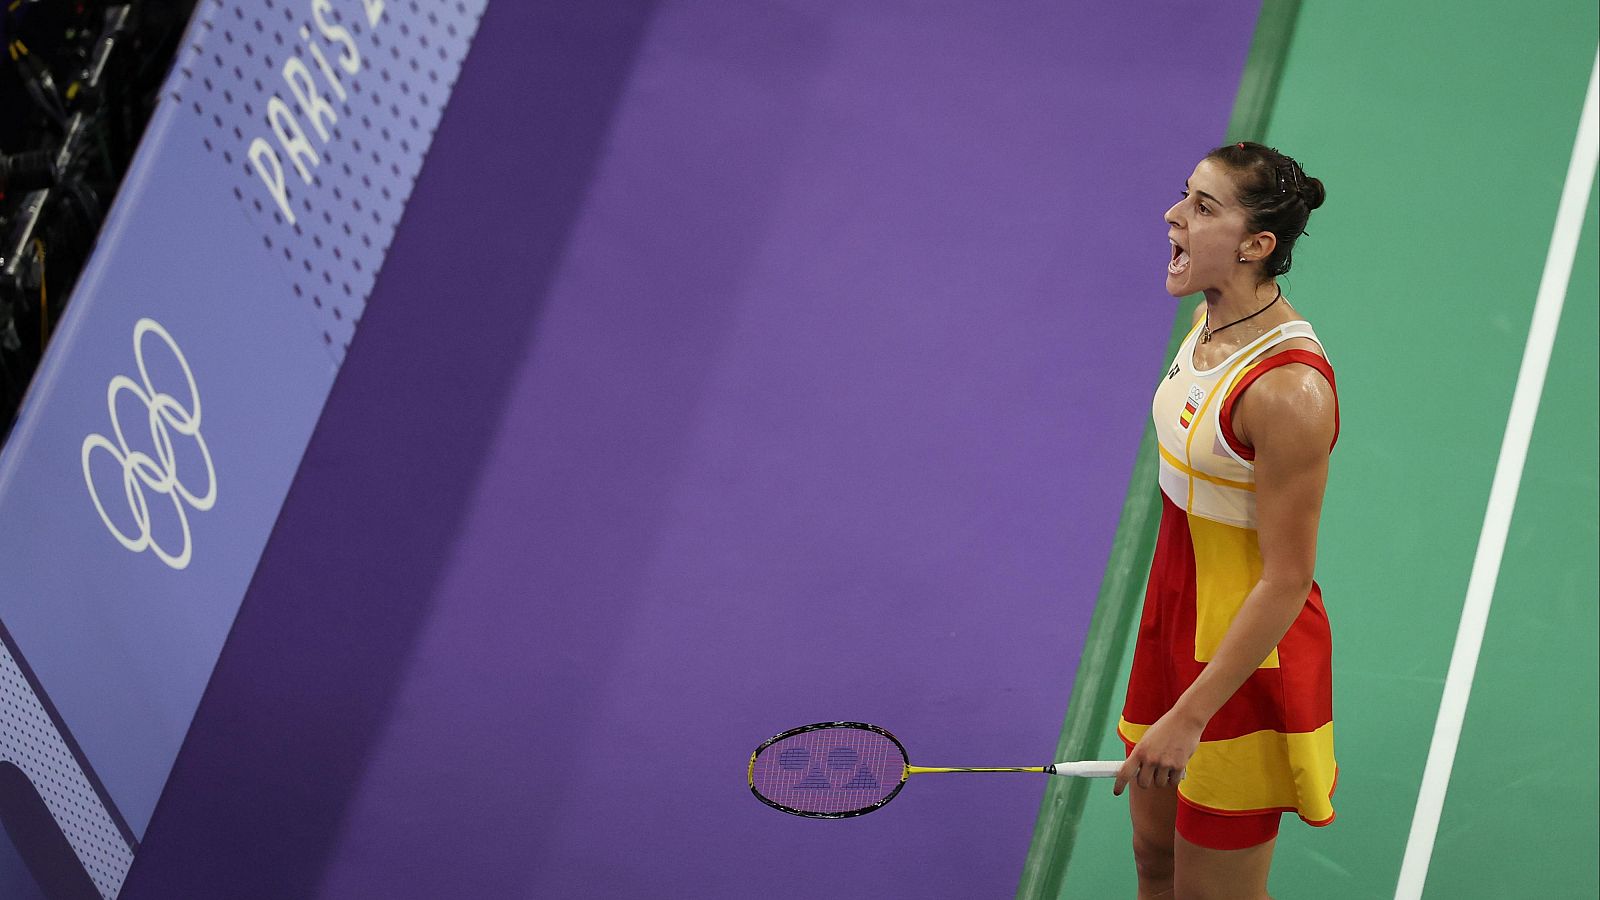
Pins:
<point x="1088" y="768"/>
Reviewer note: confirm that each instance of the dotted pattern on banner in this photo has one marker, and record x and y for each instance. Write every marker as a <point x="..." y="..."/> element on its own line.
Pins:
<point x="30" y="741"/>
<point x="324" y="109"/>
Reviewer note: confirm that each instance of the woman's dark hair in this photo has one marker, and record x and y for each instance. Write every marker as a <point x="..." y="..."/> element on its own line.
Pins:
<point x="1275" y="191"/>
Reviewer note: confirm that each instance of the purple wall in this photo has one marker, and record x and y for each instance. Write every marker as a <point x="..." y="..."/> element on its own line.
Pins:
<point x="736" y="366"/>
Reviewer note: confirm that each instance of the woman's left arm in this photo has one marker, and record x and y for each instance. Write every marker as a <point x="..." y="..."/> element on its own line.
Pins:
<point x="1287" y="416"/>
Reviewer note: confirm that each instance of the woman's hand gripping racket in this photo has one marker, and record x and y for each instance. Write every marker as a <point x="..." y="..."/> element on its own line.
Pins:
<point x="834" y="770"/>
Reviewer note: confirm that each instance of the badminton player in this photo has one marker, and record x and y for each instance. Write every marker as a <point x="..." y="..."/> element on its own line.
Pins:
<point x="1228" y="718"/>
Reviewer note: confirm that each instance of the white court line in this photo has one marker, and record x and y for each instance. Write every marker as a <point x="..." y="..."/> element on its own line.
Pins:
<point x="1503" y="496"/>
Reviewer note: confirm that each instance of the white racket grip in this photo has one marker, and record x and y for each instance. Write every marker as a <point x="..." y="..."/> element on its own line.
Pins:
<point x="1088" y="768"/>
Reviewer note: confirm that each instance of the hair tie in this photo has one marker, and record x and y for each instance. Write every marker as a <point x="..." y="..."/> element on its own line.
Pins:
<point x="1241" y="145"/>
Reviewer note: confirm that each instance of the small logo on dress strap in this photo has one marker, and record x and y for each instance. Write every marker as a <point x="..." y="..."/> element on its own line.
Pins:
<point x="1174" y="373"/>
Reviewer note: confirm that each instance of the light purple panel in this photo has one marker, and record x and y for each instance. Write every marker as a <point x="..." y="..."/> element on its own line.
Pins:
<point x="737" y="365"/>
<point x="161" y="434"/>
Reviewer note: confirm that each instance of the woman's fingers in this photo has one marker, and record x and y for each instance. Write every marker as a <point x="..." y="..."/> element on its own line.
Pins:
<point x="1145" y="773"/>
<point x="1125" y="774"/>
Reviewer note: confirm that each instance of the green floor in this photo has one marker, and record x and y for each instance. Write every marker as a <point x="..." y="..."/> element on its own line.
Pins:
<point x="1443" y="133"/>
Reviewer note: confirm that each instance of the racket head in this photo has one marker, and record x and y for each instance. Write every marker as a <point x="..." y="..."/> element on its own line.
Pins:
<point x="829" y="770"/>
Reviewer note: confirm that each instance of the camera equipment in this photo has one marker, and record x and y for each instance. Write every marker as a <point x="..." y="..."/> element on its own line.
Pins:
<point x="78" y="81"/>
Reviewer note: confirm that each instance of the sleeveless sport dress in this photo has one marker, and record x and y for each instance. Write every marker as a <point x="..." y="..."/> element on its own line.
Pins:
<point x="1270" y="747"/>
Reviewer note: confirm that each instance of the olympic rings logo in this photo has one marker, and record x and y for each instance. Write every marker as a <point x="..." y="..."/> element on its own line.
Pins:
<point x="142" y="472"/>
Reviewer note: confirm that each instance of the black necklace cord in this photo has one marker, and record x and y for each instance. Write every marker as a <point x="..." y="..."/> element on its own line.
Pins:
<point x="1207" y="331"/>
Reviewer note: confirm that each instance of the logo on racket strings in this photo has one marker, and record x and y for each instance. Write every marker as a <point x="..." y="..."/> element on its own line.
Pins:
<point x="840" y="763"/>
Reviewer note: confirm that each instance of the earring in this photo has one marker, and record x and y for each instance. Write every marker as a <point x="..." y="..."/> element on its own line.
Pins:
<point x="1242" y="259"/>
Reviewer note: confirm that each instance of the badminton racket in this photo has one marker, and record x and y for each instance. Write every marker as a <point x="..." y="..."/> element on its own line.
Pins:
<point x="835" y="770"/>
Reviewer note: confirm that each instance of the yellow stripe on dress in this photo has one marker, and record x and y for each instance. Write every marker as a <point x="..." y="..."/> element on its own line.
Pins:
<point x="1173" y="460"/>
<point x="1227" y="565"/>
<point x="1227" y="378"/>
<point x="1263" y="770"/>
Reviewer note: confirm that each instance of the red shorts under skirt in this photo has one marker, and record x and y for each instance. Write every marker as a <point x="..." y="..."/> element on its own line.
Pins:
<point x="1219" y="832"/>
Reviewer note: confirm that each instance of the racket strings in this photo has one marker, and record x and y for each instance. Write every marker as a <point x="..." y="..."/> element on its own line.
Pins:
<point x="833" y="771"/>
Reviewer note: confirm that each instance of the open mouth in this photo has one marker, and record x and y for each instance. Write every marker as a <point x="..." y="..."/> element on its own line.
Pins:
<point x="1180" y="259"/>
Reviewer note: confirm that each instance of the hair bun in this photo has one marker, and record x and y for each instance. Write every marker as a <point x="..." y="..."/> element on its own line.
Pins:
<point x="1312" y="192"/>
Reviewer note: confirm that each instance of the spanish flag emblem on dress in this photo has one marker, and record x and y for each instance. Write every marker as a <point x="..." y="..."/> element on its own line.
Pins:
<point x="1196" y="396"/>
